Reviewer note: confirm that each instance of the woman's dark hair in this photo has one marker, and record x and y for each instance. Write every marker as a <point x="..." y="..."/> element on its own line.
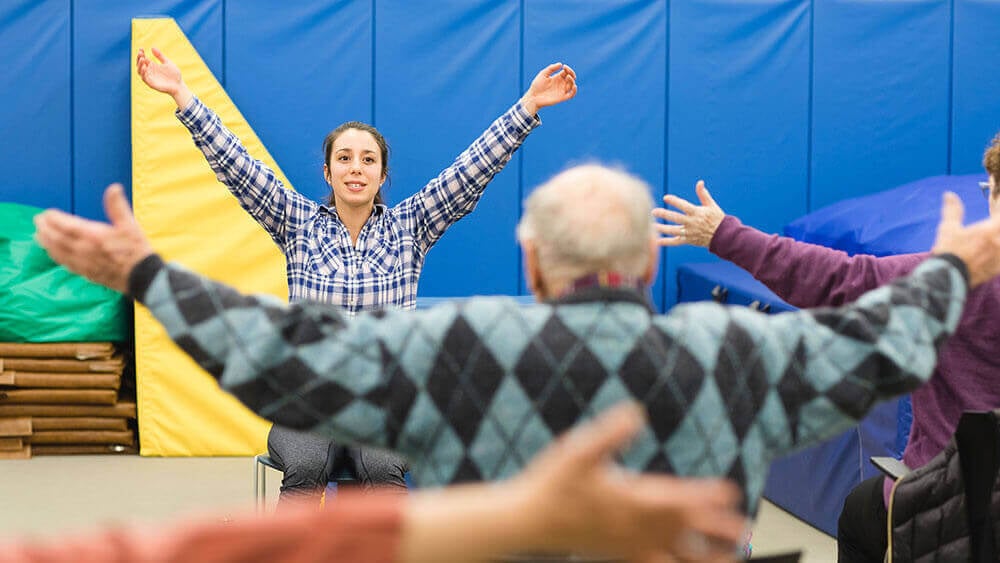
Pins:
<point x="379" y="140"/>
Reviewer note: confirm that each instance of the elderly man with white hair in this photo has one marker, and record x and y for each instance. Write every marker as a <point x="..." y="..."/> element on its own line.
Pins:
<point x="587" y="221"/>
<point x="470" y="390"/>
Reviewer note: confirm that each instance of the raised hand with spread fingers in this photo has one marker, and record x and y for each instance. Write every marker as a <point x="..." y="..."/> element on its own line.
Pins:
<point x="693" y="224"/>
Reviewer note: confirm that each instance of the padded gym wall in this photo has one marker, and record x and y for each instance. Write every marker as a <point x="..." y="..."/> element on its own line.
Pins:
<point x="191" y="218"/>
<point x="443" y="72"/>
<point x="101" y="70"/>
<point x="880" y="95"/>
<point x="739" y="111"/>
<point x="781" y="106"/>
<point x="975" y="118"/>
<point x="296" y="73"/>
<point x="35" y="103"/>
<point x="618" y="50"/>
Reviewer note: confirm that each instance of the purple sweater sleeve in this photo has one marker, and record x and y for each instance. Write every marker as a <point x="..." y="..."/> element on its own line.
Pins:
<point x="803" y="274"/>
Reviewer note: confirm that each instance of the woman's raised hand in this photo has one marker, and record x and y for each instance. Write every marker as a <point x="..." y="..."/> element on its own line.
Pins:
<point x="163" y="76"/>
<point x="555" y="83"/>
<point x="693" y="224"/>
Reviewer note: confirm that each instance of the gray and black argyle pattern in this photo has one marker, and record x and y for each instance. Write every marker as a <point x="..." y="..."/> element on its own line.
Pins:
<point x="472" y="390"/>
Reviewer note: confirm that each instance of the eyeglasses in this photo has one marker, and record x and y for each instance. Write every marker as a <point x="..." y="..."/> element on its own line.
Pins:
<point x="985" y="186"/>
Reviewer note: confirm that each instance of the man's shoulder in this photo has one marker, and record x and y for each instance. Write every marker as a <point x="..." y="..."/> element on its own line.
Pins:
<point x="520" y="312"/>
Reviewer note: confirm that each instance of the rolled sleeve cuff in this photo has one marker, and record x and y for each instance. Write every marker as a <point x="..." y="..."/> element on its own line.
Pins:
<point x="957" y="263"/>
<point x="190" y="113"/>
<point x="523" y="119"/>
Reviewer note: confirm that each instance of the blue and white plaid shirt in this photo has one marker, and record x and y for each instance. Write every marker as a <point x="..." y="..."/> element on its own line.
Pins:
<point x="383" y="269"/>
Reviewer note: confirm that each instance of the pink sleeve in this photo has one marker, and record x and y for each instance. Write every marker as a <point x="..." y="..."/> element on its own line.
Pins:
<point x="354" y="528"/>
<point x="803" y="274"/>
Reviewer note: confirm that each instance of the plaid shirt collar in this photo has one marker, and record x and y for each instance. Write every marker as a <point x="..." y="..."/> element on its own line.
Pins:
<point x="606" y="287"/>
<point x="379" y="209"/>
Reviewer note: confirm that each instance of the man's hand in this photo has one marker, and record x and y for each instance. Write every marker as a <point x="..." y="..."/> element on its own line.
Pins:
<point x="693" y="224"/>
<point x="580" y="496"/>
<point x="102" y="253"/>
<point x="978" y="245"/>
<point x="554" y="84"/>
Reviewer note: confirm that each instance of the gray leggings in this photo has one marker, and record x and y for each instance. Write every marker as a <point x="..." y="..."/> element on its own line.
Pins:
<point x="309" y="462"/>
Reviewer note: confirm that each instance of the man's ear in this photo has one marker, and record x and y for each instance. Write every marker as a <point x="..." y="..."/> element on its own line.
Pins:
<point x="649" y="276"/>
<point x="532" y="272"/>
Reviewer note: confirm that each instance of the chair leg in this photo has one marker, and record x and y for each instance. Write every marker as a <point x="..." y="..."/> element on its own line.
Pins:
<point x="259" y="485"/>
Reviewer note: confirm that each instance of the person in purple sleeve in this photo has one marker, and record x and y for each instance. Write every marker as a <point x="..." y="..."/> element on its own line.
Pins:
<point x="353" y="251"/>
<point x="967" y="375"/>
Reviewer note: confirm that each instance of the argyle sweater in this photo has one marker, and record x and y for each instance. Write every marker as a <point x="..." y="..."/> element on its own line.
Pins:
<point x="473" y="389"/>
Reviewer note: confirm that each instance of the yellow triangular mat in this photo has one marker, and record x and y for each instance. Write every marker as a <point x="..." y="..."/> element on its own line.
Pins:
<point x="193" y="219"/>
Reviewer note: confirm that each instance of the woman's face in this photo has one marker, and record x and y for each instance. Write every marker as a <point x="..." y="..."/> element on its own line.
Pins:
<point x="355" y="169"/>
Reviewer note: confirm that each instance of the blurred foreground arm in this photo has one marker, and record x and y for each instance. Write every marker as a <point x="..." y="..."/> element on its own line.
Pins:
<point x="571" y="498"/>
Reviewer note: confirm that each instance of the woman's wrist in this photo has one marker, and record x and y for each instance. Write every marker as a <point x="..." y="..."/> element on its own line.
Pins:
<point x="529" y="105"/>
<point x="182" y="96"/>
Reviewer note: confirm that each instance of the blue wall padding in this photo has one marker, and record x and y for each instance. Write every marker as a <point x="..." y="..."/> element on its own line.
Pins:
<point x="618" y="50"/>
<point x="101" y="131"/>
<point x="880" y="95"/>
<point x="975" y="83"/>
<point x="35" y="103"/>
<point x="296" y="73"/>
<point x="443" y="72"/>
<point x="739" y="110"/>
<point x="863" y="226"/>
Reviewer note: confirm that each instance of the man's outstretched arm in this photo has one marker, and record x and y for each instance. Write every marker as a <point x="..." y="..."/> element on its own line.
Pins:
<point x="259" y="339"/>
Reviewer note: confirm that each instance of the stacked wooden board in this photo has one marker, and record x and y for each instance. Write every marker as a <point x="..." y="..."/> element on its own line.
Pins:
<point x="63" y="398"/>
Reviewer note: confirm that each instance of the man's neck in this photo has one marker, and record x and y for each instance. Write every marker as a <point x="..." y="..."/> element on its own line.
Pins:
<point x="602" y="280"/>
